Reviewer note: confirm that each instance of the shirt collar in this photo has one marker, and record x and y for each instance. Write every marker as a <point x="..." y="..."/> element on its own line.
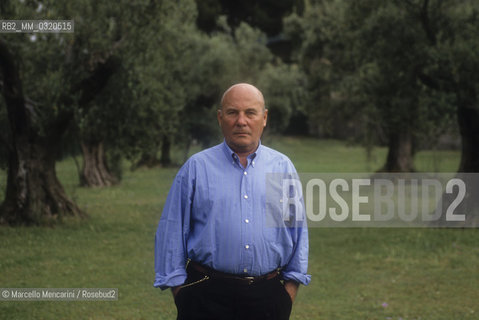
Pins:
<point x="232" y="156"/>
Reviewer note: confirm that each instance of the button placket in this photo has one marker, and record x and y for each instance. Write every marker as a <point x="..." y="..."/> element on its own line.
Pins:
<point x="246" y="207"/>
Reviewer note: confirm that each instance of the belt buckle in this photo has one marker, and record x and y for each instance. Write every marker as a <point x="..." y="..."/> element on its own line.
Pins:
<point x="249" y="279"/>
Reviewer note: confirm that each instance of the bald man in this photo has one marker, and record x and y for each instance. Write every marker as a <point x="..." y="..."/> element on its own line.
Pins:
<point x="213" y="246"/>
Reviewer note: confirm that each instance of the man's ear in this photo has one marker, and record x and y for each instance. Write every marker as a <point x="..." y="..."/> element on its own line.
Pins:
<point x="265" y="117"/>
<point x="218" y="116"/>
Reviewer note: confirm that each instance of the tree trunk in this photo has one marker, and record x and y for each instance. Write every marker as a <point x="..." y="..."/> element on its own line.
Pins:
<point x="34" y="195"/>
<point x="468" y="120"/>
<point x="400" y="156"/>
<point x="95" y="171"/>
<point x="148" y="159"/>
<point x="165" y="151"/>
<point x="187" y="150"/>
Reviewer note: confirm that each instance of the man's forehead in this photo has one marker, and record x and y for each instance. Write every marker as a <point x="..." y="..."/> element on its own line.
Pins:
<point x="254" y="106"/>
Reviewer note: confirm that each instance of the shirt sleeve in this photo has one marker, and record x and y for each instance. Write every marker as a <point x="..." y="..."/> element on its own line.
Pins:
<point x="172" y="232"/>
<point x="297" y="267"/>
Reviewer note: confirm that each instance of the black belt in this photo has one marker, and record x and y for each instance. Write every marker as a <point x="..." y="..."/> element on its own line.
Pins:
<point x="213" y="274"/>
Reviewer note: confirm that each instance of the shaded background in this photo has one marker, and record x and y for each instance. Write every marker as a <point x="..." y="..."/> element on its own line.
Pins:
<point x="138" y="78"/>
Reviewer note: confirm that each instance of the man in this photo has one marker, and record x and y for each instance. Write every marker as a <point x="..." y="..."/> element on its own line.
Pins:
<point x="213" y="246"/>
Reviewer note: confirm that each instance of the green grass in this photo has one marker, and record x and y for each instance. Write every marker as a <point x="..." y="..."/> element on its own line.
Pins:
<point x="313" y="155"/>
<point x="418" y="273"/>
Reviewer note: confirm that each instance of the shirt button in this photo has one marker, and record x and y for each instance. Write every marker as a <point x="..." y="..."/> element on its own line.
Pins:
<point x="246" y="246"/>
<point x="245" y="173"/>
<point x="246" y="220"/>
<point x="245" y="196"/>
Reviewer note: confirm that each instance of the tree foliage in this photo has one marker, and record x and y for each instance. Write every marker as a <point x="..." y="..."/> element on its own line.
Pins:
<point x="135" y="76"/>
<point x="397" y="71"/>
<point x="50" y="78"/>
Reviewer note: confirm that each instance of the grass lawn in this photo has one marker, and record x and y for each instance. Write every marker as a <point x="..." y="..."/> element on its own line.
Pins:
<point x="356" y="273"/>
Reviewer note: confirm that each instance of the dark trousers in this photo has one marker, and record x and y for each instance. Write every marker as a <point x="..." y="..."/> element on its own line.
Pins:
<point x="218" y="299"/>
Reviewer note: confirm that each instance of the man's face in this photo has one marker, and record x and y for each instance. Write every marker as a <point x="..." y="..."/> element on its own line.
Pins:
<point x="242" y="118"/>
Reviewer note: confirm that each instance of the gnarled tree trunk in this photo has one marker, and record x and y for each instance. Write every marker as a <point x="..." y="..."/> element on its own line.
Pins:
<point x="400" y="156"/>
<point x="95" y="172"/>
<point x="34" y="195"/>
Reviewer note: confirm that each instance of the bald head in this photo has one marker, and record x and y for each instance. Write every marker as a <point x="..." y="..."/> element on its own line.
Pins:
<point x="242" y="90"/>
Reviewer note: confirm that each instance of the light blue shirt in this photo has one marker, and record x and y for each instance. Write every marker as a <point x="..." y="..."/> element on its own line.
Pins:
<point x="215" y="215"/>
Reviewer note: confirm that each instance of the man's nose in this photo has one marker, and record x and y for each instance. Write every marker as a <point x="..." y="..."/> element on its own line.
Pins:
<point x="242" y="120"/>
